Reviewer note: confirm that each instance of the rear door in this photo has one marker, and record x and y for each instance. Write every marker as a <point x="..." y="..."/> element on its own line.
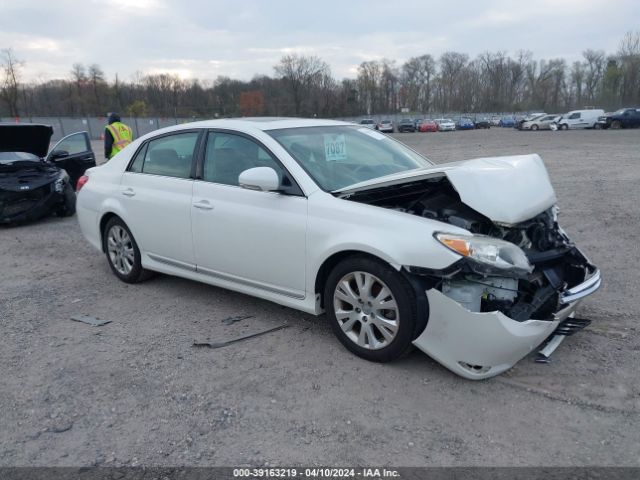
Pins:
<point x="545" y="122"/>
<point x="155" y="192"/>
<point x="74" y="154"/>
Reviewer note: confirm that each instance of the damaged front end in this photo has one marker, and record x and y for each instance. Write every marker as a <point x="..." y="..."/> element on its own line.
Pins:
<point x="30" y="190"/>
<point x="515" y="285"/>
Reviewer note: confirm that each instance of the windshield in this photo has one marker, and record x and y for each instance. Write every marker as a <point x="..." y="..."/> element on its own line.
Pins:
<point x="7" y="158"/>
<point x="339" y="156"/>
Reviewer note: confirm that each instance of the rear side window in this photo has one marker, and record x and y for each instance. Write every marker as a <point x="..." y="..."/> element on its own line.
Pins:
<point x="169" y="156"/>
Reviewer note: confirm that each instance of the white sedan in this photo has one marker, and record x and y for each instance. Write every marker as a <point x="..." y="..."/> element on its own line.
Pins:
<point x="465" y="260"/>
<point x="445" y="124"/>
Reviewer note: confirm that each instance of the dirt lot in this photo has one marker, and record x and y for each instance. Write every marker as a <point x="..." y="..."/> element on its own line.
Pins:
<point x="135" y="392"/>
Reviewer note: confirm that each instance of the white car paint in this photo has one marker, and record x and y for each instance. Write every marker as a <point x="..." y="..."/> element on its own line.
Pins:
<point x="577" y="119"/>
<point x="460" y="339"/>
<point x="272" y="246"/>
<point x="525" y="188"/>
<point x="445" y="124"/>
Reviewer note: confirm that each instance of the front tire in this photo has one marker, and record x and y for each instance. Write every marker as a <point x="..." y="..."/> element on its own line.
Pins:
<point x="616" y="124"/>
<point x="564" y="126"/>
<point x="371" y="307"/>
<point x="534" y="127"/>
<point x="68" y="207"/>
<point x="123" y="253"/>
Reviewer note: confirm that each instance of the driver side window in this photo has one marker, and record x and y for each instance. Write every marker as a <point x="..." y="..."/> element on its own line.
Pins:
<point x="228" y="155"/>
<point x="73" y="144"/>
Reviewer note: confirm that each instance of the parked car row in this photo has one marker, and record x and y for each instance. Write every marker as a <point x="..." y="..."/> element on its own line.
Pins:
<point x="575" y="119"/>
<point x="580" y="119"/>
<point x="437" y="125"/>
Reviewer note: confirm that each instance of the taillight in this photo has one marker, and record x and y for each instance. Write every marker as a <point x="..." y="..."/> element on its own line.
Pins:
<point x="81" y="181"/>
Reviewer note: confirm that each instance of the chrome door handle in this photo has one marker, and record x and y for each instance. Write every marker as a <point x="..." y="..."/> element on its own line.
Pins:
<point x="203" y="205"/>
<point x="128" y="192"/>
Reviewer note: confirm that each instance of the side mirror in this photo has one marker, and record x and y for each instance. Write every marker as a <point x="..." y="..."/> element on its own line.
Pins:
<point x="56" y="154"/>
<point x="264" y="179"/>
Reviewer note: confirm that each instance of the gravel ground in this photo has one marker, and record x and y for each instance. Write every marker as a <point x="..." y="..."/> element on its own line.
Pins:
<point x="135" y="392"/>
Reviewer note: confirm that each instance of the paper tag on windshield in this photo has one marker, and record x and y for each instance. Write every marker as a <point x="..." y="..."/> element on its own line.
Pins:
<point x="372" y="133"/>
<point x="335" y="147"/>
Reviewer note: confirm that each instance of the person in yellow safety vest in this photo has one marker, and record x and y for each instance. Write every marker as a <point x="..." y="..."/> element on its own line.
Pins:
<point x="117" y="135"/>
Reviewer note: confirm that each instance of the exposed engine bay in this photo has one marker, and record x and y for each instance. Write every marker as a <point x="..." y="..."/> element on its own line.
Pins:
<point x="557" y="264"/>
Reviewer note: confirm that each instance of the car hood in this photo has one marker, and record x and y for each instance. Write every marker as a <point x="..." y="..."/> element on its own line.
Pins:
<point x="507" y="190"/>
<point x="27" y="176"/>
<point x="29" y="138"/>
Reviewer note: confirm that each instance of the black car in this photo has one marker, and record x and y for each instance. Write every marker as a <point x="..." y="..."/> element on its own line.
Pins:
<point x="34" y="183"/>
<point x="482" y="122"/>
<point x="623" y="118"/>
<point x="406" y="125"/>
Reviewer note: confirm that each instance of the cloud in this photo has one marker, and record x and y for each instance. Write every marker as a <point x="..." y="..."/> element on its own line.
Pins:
<point x="207" y="38"/>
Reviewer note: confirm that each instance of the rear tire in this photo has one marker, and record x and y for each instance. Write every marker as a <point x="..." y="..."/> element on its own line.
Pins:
<point x="123" y="253"/>
<point x="355" y="292"/>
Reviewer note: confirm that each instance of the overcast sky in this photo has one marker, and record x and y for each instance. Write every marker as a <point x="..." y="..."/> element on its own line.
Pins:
<point x="206" y="38"/>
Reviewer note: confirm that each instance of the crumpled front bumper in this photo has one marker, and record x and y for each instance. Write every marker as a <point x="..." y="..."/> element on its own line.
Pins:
<point x="479" y="345"/>
<point x="34" y="207"/>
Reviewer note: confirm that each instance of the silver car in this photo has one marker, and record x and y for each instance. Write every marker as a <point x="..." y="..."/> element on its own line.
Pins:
<point x="544" y="122"/>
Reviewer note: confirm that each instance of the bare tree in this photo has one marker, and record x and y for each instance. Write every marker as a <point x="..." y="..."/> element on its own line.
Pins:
<point x="451" y="68"/>
<point x="369" y="79"/>
<point x="300" y="72"/>
<point x="594" y="71"/>
<point x="11" y="69"/>
<point x="629" y="54"/>
<point x="96" y="78"/>
<point x="417" y="82"/>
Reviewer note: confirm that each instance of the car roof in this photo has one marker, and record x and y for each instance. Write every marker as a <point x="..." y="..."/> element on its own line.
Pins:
<point x="251" y="124"/>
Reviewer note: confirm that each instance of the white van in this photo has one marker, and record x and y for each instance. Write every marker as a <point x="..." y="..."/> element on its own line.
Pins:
<point x="579" y="119"/>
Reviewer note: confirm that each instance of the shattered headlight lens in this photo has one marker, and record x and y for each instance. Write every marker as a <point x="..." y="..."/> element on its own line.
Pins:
<point x="489" y="254"/>
<point x="63" y="178"/>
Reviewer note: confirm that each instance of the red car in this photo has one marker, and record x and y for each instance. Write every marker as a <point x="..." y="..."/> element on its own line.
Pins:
<point x="428" y="126"/>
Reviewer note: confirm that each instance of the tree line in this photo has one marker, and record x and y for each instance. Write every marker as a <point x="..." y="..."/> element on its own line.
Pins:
<point x="303" y="85"/>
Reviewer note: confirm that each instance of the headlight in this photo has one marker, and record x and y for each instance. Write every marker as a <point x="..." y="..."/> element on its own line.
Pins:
<point x="488" y="254"/>
<point x="63" y="178"/>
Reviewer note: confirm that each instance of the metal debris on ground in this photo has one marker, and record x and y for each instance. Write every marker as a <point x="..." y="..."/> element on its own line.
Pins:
<point x="239" y="339"/>
<point x="232" y="320"/>
<point x="89" y="320"/>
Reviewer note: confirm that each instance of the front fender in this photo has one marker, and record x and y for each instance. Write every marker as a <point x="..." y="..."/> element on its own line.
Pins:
<point x="337" y="225"/>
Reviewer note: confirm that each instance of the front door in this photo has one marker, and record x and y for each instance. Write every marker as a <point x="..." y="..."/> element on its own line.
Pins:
<point x="250" y="237"/>
<point x="74" y="154"/>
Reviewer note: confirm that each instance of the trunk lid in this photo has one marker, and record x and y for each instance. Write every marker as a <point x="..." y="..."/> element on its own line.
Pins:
<point x="29" y="138"/>
<point x="507" y="190"/>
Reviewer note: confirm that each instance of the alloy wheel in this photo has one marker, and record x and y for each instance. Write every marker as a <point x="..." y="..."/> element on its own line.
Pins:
<point x="120" y="249"/>
<point x="366" y="310"/>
